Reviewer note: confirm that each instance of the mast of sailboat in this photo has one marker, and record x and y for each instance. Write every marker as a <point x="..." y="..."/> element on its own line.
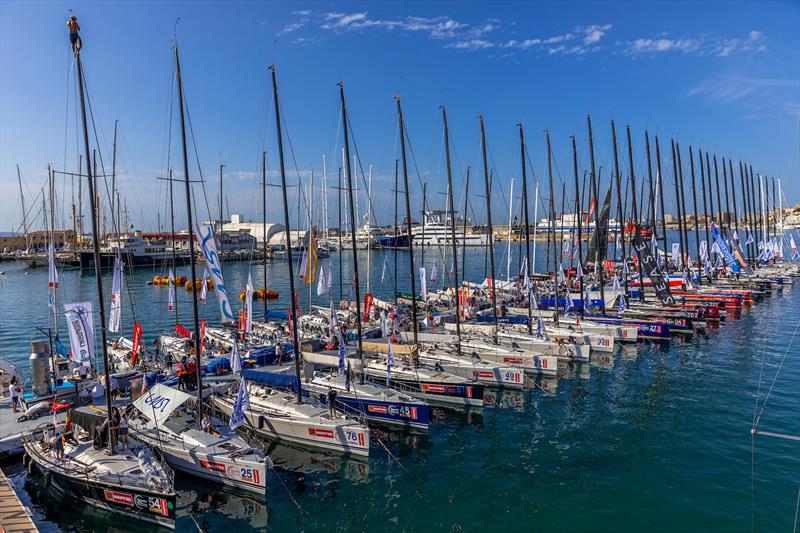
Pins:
<point x="677" y="201"/>
<point x="733" y="202"/>
<point x="710" y="201"/>
<point x="552" y="216"/>
<point x="114" y="173"/>
<point x="424" y="209"/>
<point x="396" y="229"/>
<point x="635" y="214"/>
<point x="660" y="180"/>
<point x="746" y="202"/>
<point x="727" y="201"/>
<point x="705" y="206"/>
<point x="339" y="232"/>
<point x="354" y="225"/>
<point x="174" y="244"/>
<point x="620" y="237"/>
<point x="369" y="225"/>
<point x="650" y="188"/>
<point x="52" y="238"/>
<point x="694" y="208"/>
<point x="527" y="222"/>
<point x="452" y="227"/>
<point x="96" y="249"/>
<point x="219" y="233"/>
<point x="580" y="230"/>
<point x="263" y="221"/>
<point x="190" y="221"/>
<point x="597" y="267"/>
<point x="295" y="338"/>
<point x="464" y="229"/>
<point x="24" y="214"/>
<point x="755" y="211"/>
<point x="412" y="275"/>
<point x="682" y="220"/>
<point x="489" y="224"/>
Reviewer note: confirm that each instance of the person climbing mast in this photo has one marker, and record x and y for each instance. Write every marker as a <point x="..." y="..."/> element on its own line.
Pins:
<point x="74" y="38"/>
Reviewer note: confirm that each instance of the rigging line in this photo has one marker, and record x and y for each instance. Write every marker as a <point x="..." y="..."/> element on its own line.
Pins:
<point x="199" y="168"/>
<point x="775" y="378"/>
<point x="361" y="168"/>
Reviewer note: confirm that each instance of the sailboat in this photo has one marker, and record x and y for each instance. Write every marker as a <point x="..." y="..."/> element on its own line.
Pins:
<point x="132" y="481"/>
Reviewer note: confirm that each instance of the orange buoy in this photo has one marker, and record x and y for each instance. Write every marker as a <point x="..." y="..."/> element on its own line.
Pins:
<point x="157" y="280"/>
<point x="270" y="294"/>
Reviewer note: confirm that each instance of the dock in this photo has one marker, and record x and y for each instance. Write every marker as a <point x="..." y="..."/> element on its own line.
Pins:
<point x="14" y="517"/>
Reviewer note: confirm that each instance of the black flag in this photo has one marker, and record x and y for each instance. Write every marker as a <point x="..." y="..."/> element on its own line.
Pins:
<point x="650" y="268"/>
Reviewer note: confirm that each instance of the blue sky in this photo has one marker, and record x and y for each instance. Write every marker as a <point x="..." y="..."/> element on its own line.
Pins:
<point x="724" y="77"/>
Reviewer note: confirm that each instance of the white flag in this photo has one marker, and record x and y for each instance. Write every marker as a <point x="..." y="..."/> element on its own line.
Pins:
<point x="580" y="271"/>
<point x="52" y="278"/>
<point x="171" y="300"/>
<point x="383" y="270"/>
<point x="236" y="360"/>
<point x="561" y="278"/>
<point x="424" y="286"/>
<point x="116" y="297"/>
<point x="248" y="296"/>
<point x="81" y="331"/>
<point x="433" y="272"/>
<point x="715" y="248"/>
<point x="239" y="405"/>
<point x="205" y="238"/>
<point x="204" y="287"/>
<point x="330" y="275"/>
<point x="322" y="282"/>
<point x="616" y="282"/>
<point x="676" y="254"/>
<point x="703" y="250"/>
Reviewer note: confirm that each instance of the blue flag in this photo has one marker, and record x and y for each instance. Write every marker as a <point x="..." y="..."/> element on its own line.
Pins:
<point x="726" y="252"/>
<point x="342" y="354"/>
<point x="621" y="305"/>
<point x="389" y="363"/>
<point x="239" y="405"/>
<point x="60" y="348"/>
<point x="539" y="327"/>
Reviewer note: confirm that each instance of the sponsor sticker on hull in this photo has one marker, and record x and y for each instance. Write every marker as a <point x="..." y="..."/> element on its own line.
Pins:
<point x="246" y="474"/>
<point x="122" y="498"/>
<point x="320" y="432"/>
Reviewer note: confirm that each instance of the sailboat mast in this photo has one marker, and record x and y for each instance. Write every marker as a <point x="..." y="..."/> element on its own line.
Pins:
<point x="396" y="230"/>
<point x="295" y="338"/>
<point x="114" y="173"/>
<point x="464" y="231"/>
<point x="452" y="228"/>
<point x="597" y="267"/>
<point x="660" y="179"/>
<point x="489" y="222"/>
<point x="733" y="199"/>
<point x="747" y="220"/>
<point x="620" y="222"/>
<point x="353" y="225"/>
<point x="635" y="217"/>
<point x="24" y="213"/>
<point x="727" y="201"/>
<point x="412" y="274"/>
<point x="221" y="265"/>
<point x="705" y="203"/>
<point x="652" y="197"/>
<point x="694" y="208"/>
<point x="527" y="222"/>
<point x="263" y="221"/>
<point x="339" y="232"/>
<point x="96" y="249"/>
<point x="190" y="221"/>
<point x="682" y="220"/>
<point x="552" y="216"/>
<point x="677" y="200"/>
<point x="172" y="232"/>
<point x="52" y="239"/>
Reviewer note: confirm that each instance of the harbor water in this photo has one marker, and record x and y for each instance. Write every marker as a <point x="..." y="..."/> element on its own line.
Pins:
<point x="653" y="438"/>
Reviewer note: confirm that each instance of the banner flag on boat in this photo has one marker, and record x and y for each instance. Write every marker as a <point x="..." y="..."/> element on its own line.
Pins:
<point x="330" y="275"/>
<point x="52" y="277"/>
<point x="332" y="321"/>
<point x="248" y="296"/>
<point x="749" y="236"/>
<point x="308" y="270"/>
<point x="383" y="270"/>
<point x="236" y="361"/>
<point x="204" y="286"/>
<point x="729" y="258"/>
<point x="239" y="405"/>
<point x="703" y="250"/>
<point x="384" y="325"/>
<point x="322" y="287"/>
<point x="389" y="363"/>
<point x="60" y="348"/>
<point x="115" y="314"/>
<point x="171" y="301"/>
<point x="676" y="254"/>
<point x="159" y="402"/>
<point x="368" y="301"/>
<point x="208" y="246"/>
<point x="424" y="285"/>
<point x="738" y="253"/>
<point x="137" y="339"/>
<point x="650" y="268"/>
<point x="433" y="272"/>
<point x="580" y="271"/>
<point x="81" y="331"/>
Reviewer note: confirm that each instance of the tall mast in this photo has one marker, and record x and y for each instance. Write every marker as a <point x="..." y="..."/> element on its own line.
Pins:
<point x="96" y="249"/>
<point x="24" y="214"/>
<point x="114" y="172"/>
<point x="660" y="179"/>
<point x="650" y="184"/>
<point x="733" y="199"/>
<point x="527" y="222"/>
<point x="598" y="269"/>
<point x="677" y="200"/>
<point x="620" y="222"/>
<point x="396" y="229"/>
<point x="172" y="232"/>
<point x="290" y="262"/>
<point x="412" y="274"/>
<point x="746" y="201"/>
<point x="190" y="222"/>
<point x="221" y="223"/>
<point x="635" y="216"/>
<point x="754" y="209"/>
<point x="263" y="220"/>
<point x="578" y="208"/>
<point x="339" y="232"/>
<point x="488" y="188"/>
<point x="552" y="216"/>
<point x="452" y="227"/>
<point x="694" y="206"/>
<point x="464" y="232"/>
<point x="353" y="225"/>
<point x="52" y="239"/>
<point x="424" y="209"/>
<point x="682" y="220"/>
<point x="705" y="203"/>
<point x="727" y="203"/>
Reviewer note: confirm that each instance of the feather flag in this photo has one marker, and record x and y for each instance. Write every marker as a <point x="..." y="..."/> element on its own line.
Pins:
<point x="236" y="360"/>
<point x="616" y="282"/>
<point x="703" y="250"/>
<point x="248" y="296"/>
<point x="561" y="278"/>
<point x="424" y="285"/>
<point x="330" y="275"/>
<point x="676" y="254"/>
<point x="342" y="354"/>
<point x="322" y="286"/>
<point x="539" y="327"/>
<point x="621" y="304"/>
<point x="749" y="236"/>
<point x="239" y="405"/>
<point x="433" y="272"/>
<point x="580" y="271"/>
<point x="384" y="325"/>
<point x="52" y="275"/>
<point x="303" y="261"/>
<point x="204" y="287"/>
<point x="115" y="314"/>
<point x="171" y="300"/>
<point x="309" y="267"/>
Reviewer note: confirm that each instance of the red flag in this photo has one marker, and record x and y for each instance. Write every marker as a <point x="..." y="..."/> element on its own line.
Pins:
<point x="592" y="204"/>
<point x="368" y="299"/>
<point x="137" y="338"/>
<point x="609" y="267"/>
<point x="182" y="331"/>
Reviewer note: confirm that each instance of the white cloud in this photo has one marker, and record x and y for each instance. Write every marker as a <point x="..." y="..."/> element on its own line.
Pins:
<point x="703" y="44"/>
<point x="593" y="34"/>
<point x="292" y="26"/>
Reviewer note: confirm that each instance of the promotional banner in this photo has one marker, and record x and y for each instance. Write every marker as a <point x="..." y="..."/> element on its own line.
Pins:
<point x="738" y="253"/>
<point x="205" y="239"/>
<point x="204" y="286"/>
<point x="248" y="298"/>
<point x="703" y="250"/>
<point x="115" y="314"/>
<point x="676" y="254"/>
<point x="723" y="248"/>
<point x="239" y="405"/>
<point x="650" y="268"/>
<point x="423" y="291"/>
<point x="81" y="331"/>
<point x="136" y="341"/>
<point x="368" y="299"/>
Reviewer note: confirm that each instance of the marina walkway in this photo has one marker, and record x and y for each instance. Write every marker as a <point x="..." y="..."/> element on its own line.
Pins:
<point x="14" y="517"/>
